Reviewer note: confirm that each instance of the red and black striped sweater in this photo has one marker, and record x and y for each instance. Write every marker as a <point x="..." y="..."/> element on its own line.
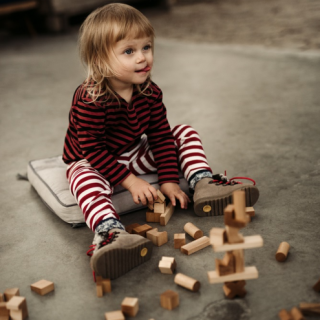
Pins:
<point x="101" y="131"/>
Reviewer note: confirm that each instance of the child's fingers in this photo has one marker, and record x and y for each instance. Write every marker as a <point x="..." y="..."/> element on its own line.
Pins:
<point x="153" y="192"/>
<point x="149" y="196"/>
<point x="173" y="200"/>
<point x="136" y="199"/>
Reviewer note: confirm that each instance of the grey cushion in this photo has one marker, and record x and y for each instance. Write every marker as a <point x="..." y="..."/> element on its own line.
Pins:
<point x="48" y="177"/>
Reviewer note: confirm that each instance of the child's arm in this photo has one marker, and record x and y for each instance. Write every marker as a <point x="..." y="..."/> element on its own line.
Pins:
<point x="141" y="190"/>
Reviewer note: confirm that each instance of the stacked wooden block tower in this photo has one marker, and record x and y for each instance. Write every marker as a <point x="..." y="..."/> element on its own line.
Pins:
<point x="231" y="269"/>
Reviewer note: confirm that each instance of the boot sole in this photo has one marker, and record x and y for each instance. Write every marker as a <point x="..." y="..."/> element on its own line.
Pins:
<point x="111" y="264"/>
<point x="211" y="206"/>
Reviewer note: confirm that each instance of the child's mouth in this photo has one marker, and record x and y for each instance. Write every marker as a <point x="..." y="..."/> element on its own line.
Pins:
<point x="146" y="69"/>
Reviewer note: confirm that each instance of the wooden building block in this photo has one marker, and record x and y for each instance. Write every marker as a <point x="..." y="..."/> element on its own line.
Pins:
<point x="18" y="308"/>
<point x="9" y="293"/>
<point x="250" y="211"/>
<point x="234" y="289"/>
<point x="167" y="265"/>
<point x="165" y="217"/>
<point x="233" y="235"/>
<point x="309" y="309"/>
<point x="114" y="315"/>
<point x="282" y="252"/>
<point x="238" y="260"/>
<point x="226" y="265"/>
<point x="296" y="314"/>
<point x="106" y="285"/>
<point x="4" y="312"/>
<point x="169" y="300"/>
<point x="179" y="240"/>
<point x="187" y="282"/>
<point x="152" y="217"/>
<point x="159" y="208"/>
<point x="42" y="287"/>
<point x="1" y="297"/>
<point x="130" y="227"/>
<point x="195" y="245"/>
<point x="141" y="230"/>
<point x="130" y="306"/>
<point x="193" y="231"/>
<point x="218" y="236"/>
<point x="249" y="242"/>
<point x="239" y="202"/>
<point x="249" y="273"/>
<point x="316" y="287"/>
<point x="99" y="289"/>
<point x="161" y="198"/>
<point x="230" y="218"/>
<point x="157" y="238"/>
<point x="284" y="315"/>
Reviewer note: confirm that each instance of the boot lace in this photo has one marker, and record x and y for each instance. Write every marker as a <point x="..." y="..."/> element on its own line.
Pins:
<point x="107" y="239"/>
<point x="218" y="179"/>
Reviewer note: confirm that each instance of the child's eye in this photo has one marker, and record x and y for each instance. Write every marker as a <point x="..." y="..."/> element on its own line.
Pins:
<point x="128" y="51"/>
<point x="147" y="47"/>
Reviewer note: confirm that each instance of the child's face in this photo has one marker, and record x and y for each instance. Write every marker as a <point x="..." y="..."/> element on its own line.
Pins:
<point x="133" y="62"/>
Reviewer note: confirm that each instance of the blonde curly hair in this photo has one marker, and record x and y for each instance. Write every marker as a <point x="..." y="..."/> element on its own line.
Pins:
<point x="101" y="30"/>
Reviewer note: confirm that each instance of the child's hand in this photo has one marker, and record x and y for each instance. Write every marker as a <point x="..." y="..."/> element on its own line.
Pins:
<point x="140" y="190"/>
<point x="173" y="192"/>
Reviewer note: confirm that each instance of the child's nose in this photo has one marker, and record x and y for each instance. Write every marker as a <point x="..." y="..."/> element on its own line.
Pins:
<point x="141" y="58"/>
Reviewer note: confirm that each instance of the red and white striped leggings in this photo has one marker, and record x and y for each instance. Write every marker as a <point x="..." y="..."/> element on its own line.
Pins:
<point x="93" y="192"/>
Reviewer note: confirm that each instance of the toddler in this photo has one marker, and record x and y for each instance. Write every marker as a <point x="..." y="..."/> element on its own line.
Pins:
<point x="118" y="130"/>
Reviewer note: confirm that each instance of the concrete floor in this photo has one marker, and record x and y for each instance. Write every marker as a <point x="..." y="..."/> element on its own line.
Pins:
<point x="258" y="113"/>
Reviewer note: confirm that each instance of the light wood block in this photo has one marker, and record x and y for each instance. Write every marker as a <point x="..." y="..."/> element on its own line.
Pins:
<point x="18" y="308"/>
<point x="316" y="287"/>
<point x="165" y="217"/>
<point x="130" y="306"/>
<point x="170" y="259"/>
<point x="4" y="312"/>
<point x="249" y="273"/>
<point x="11" y="292"/>
<point x="99" y="289"/>
<point x="114" y="315"/>
<point x="310" y="309"/>
<point x="193" y="231"/>
<point x="179" y="240"/>
<point x="167" y="265"/>
<point x="141" y="230"/>
<point x="230" y="220"/>
<point x="234" y="289"/>
<point x="284" y="315"/>
<point x="169" y="300"/>
<point x="103" y="286"/>
<point x="249" y="243"/>
<point x="250" y="211"/>
<point x="238" y="260"/>
<point x="1" y="297"/>
<point x="187" y="282"/>
<point x="195" y="245"/>
<point x="233" y="235"/>
<point x="239" y="202"/>
<point x="130" y="227"/>
<point x="218" y="236"/>
<point x="161" y="198"/>
<point x="152" y="217"/>
<point x="42" y="287"/>
<point x="226" y="265"/>
<point x="157" y="238"/>
<point x="296" y="314"/>
<point x="159" y="208"/>
<point x="282" y="251"/>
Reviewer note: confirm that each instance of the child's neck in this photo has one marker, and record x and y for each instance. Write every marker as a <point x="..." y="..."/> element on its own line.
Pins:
<point x="124" y="92"/>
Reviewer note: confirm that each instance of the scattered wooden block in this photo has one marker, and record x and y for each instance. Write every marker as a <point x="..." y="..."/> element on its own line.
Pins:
<point x="157" y="238"/>
<point x="310" y="309"/>
<point x="296" y="314"/>
<point x="161" y="197"/>
<point x="250" y="211"/>
<point x="169" y="300"/>
<point x="18" y="308"/>
<point x="159" y="207"/>
<point x="193" y="231"/>
<point x="130" y="227"/>
<point x="249" y="242"/>
<point x="114" y="315"/>
<point x="285" y="315"/>
<point x="99" y="290"/>
<point x="1" y="297"/>
<point x="249" y="273"/>
<point x="282" y="252"/>
<point x="226" y="265"/>
<point x="4" y="312"/>
<point x="316" y="287"/>
<point x="234" y="289"/>
<point x="229" y="218"/>
<point x="152" y="217"/>
<point x="9" y="293"/>
<point x="167" y="265"/>
<point x="195" y="245"/>
<point x="218" y="236"/>
<point x="42" y="287"/>
<point x="130" y="306"/>
<point x="187" y="282"/>
<point x="103" y="286"/>
<point x="238" y="260"/>
<point x="165" y="217"/>
<point x="179" y="240"/>
<point x="233" y="235"/>
<point x="239" y="202"/>
<point x="141" y="230"/>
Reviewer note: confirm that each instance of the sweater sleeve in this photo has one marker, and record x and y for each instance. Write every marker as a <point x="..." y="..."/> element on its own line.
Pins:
<point x="161" y="141"/>
<point x="89" y="122"/>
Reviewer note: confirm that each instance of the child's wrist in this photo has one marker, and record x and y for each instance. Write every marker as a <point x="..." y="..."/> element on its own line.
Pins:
<point x="128" y="182"/>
